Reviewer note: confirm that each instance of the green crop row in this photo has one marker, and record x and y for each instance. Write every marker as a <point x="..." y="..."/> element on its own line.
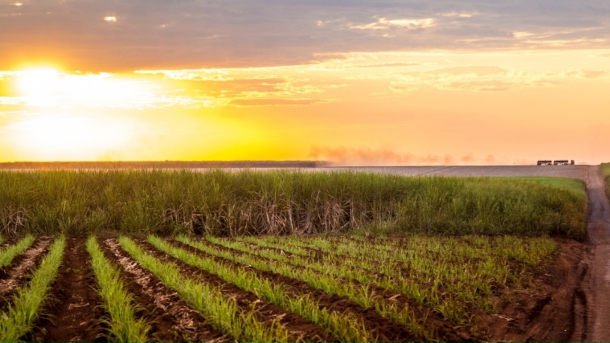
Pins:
<point x="426" y="294"/>
<point x="528" y="250"/>
<point x="470" y="278"/>
<point x="124" y="327"/>
<point x="220" y="310"/>
<point x="343" y="326"/>
<point x="7" y="255"/>
<point x="225" y="203"/>
<point x="21" y="313"/>
<point x="469" y="285"/>
<point x="327" y="282"/>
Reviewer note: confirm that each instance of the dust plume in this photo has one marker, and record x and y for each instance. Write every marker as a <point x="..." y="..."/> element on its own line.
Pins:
<point x="348" y="156"/>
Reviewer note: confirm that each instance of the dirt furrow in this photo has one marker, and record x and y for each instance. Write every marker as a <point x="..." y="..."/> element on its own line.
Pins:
<point x="7" y="243"/>
<point x="298" y="327"/>
<point x="323" y="257"/>
<point x="19" y="272"/>
<point x="171" y="318"/>
<point x="387" y="329"/>
<point x="73" y="312"/>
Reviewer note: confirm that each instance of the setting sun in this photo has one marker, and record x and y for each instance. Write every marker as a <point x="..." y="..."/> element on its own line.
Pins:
<point x="38" y="84"/>
<point x="67" y="137"/>
<point x="49" y="87"/>
<point x="325" y="171"/>
<point x="456" y="83"/>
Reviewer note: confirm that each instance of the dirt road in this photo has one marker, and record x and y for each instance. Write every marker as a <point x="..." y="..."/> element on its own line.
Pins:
<point x="597" y="282"/>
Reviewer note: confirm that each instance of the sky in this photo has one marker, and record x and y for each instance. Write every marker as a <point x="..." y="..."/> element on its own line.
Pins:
<point x="353" y="82"/>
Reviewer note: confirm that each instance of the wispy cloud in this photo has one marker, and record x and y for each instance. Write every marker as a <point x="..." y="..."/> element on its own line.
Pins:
<point x="386" y="24"/>
<point x="460" y="14"/>
<point x="274" y="102"/>
<point x="9" y="100"/>
<point x="477" y="78"/>
<point x="261" y="33"/>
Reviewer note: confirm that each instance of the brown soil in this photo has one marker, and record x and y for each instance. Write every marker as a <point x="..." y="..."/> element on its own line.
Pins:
<point x="385" y="329"/>
<point x="298" y="327"/>
<point x="7" y="242"/>
<point x="15" y="275"/>
<point x="73" y="311"/>
<point x="555" y="309"/>
<point x="170" y="317"/>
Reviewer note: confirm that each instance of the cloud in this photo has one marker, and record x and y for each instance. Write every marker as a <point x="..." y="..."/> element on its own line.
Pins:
<point x="212" y="74"/>
<point x="587" y="74"/>
<point x="396" y="87"/>
<point x="350" y="156"/>
<point x="10" y="100"/>
<point x="386" y="24"/>
<point x="473" y="78"/>
<point x="386" y="65"/>
<point x="7" y="113"/>
<point x="274" y="102"/>
<point x="477" y="78"/>
<point x="263" y="33"/>
<point x="246" y="86"/>
<point x="460" y="14"/>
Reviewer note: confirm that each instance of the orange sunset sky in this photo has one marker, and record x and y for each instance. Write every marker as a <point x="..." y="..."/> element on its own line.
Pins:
<point x="349" y="81"/>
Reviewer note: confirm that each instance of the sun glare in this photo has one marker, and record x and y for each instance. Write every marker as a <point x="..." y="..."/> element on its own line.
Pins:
<point x="64" y="137"/>
<point x="38" y="82"/>
<point x="47" y="87"/>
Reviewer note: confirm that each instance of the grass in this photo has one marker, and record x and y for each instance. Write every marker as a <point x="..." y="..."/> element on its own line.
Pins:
<point x="124" y="327"/>
<point x="606" y="172"/>
<point x="220" y="311"/>
<point x="225" y="203"/>
<point x="575" y="186"/>
<point x="7" y="255"/>
<point x="18" y="318"/>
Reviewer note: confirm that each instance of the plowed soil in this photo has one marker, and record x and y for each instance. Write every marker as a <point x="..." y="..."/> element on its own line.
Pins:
<point x="568" y="301"/>
<point x="386" y="330"/>
<point x="171" y="318"/>
<point x="531" y="315"/>
<point x="15" y="275"/>
<point x="445" y="329"/>
<point x="298" y="327"/>
<point x="73" y="311"/>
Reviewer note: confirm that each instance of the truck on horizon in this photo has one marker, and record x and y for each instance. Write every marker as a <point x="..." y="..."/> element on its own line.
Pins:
<point x="556" y="162"/>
